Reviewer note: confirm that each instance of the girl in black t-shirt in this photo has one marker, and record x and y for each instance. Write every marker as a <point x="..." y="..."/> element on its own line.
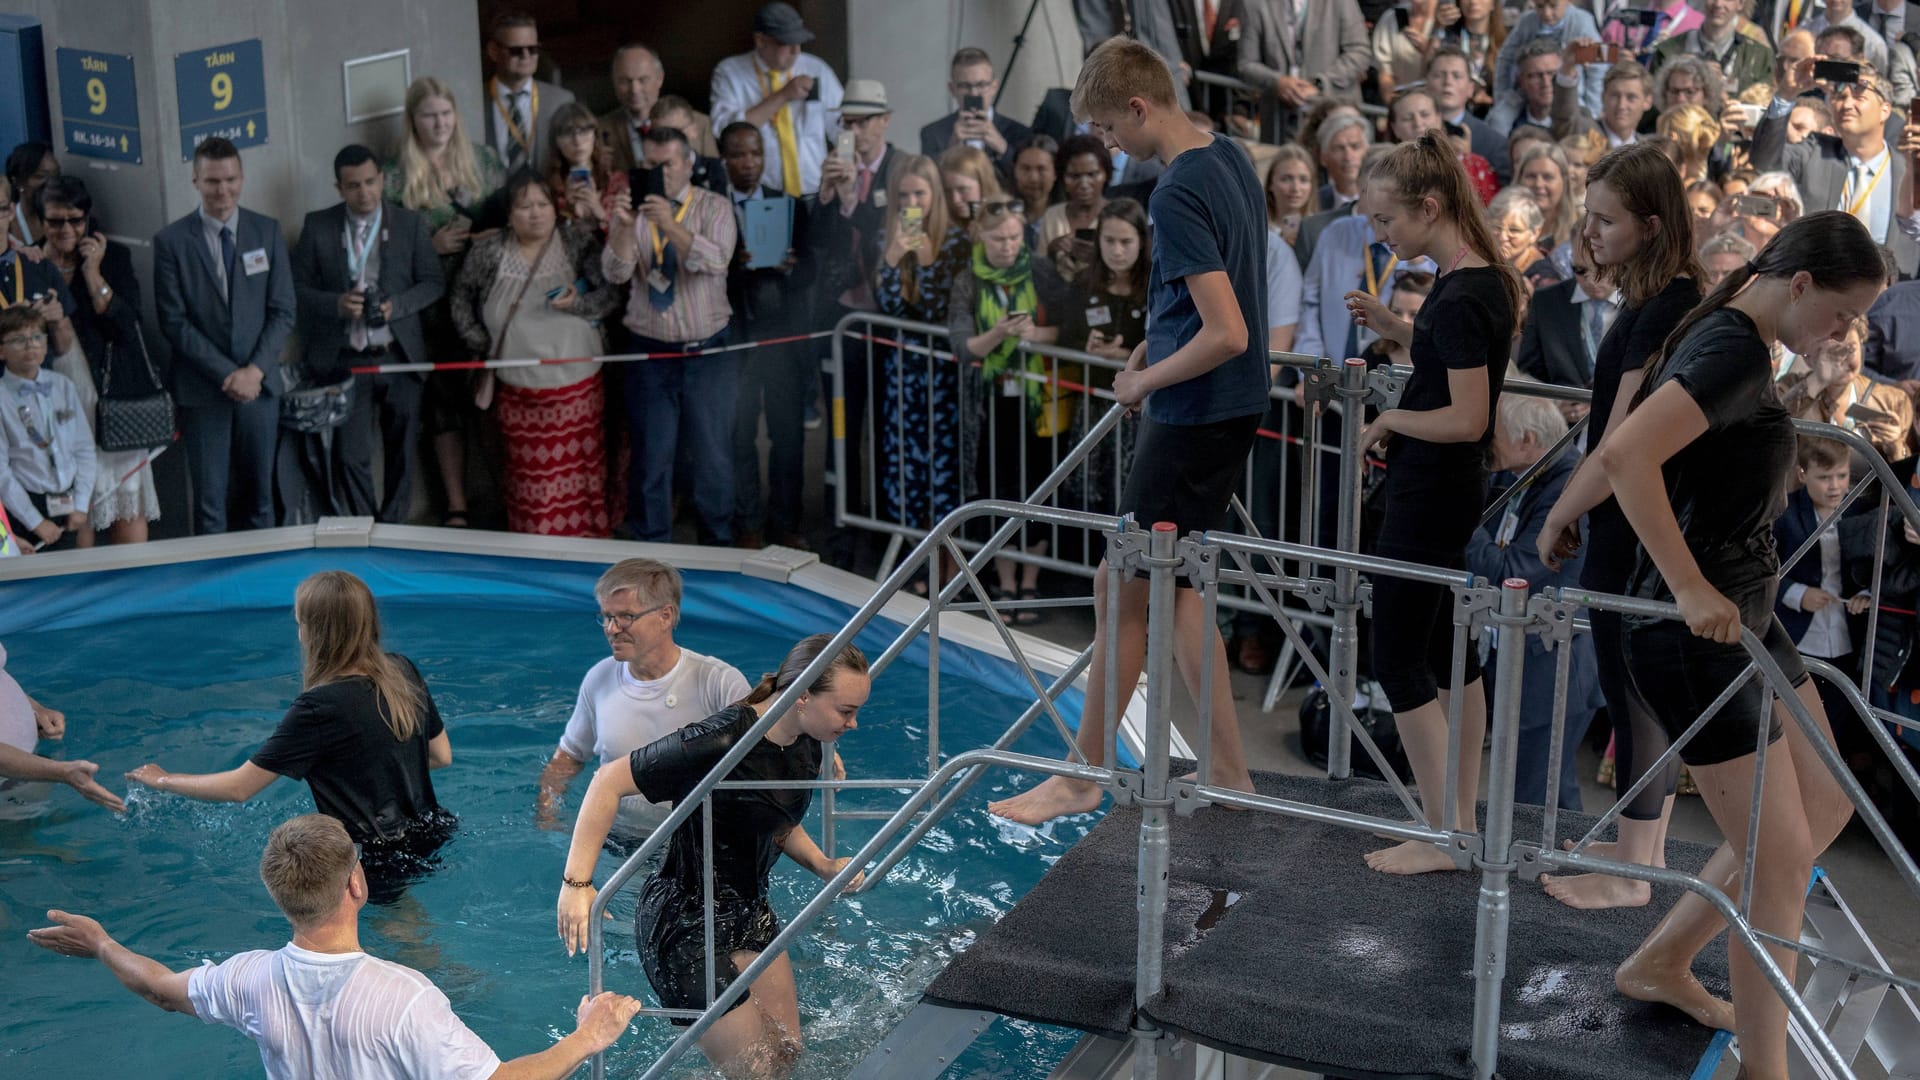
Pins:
<point x="1638" y="237"/>
<point x="1106" y="315"/>
<point x="750" y="830"/>
<point x="1699" y="467"/>
<point x="363" y="734"/>
<point x="1422" y="204"/>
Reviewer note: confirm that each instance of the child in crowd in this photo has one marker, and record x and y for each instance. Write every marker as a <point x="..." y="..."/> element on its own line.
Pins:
<point x="1820" y="598"/>
<point x="46" y="471"/>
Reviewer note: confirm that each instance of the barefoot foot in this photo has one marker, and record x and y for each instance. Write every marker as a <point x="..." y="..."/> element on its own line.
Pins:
<point x="1599" y="849"/>
<point x="1592" y="892"/>
<point x="1644" y="979"/>
<point x="1056" y="796"/>
<point x="1410" y="857"/>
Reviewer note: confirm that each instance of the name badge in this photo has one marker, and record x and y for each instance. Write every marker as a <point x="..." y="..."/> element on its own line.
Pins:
<point x="1509" y="526"/>
<point x="59" y="506"/>
<point x="1010" y="387"/>
<point x="255" y="261"/>
<point x="879" y="199"/>
<point x="658" y="282"/>
<point x="1099" y="316"/>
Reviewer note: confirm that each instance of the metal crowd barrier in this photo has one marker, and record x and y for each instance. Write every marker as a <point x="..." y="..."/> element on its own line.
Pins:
<point x="1284" y="579"/>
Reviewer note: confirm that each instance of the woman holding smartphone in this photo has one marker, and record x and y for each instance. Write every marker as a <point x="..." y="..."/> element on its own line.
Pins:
<point x="1085" y="171"/>
<point x="584" y="189"/>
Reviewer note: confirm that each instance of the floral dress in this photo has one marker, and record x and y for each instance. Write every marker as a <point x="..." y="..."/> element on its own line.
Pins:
<point x="919" y="412"/>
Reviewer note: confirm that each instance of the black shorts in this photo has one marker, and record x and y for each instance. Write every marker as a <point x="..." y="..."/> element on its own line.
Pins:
<point x="1676" y="675"/>
<point x="1186" y="473"/>
<point x="671" y="925"/>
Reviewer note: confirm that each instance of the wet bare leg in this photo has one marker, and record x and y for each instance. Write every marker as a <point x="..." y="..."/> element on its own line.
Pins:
<point x="1640" y="842"/>
<point x="1423" y="732"/>
<point x="1058" y="796"/>
<point x="1192" y="634"/>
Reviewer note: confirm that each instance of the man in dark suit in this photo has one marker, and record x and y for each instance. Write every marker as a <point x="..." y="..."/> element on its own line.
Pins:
<point x="768" y="302"/>
<point x="1450" y="81"/>
<point x="224" y="296"/>
<point x="1564" y="327"/>
<point x="517" y="104"/>
<point x="361" y="247"/>
<point x="971" y="76"/>
<point x="1855" y="171"/>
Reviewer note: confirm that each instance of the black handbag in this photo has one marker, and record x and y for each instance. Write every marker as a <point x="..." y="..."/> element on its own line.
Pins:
<point x="143" y="421"/>
<point x="314" y="409"/>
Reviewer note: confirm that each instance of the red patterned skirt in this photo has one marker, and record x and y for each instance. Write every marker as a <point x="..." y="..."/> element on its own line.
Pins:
<point x="556" y="452"/>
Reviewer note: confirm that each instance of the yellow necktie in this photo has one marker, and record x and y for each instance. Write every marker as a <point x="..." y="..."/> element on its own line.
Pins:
<point x="783" y="131"/>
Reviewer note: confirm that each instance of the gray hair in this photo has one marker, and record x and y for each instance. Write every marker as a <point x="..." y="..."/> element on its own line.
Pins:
<point x="1524" y="414"/>
<point x="1516" y="200"/>
<point x="1781" y="186"/>
<point x="1340" y="122"/>
<point x="1541" y="46"/>
<point x="652" y="583"/>
<point x="1729" y="243"/>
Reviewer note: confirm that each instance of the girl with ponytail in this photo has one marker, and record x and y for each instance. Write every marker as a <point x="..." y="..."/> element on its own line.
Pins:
<point x="1638" y="238"/>
<point x="750" y="830"/>
<point x="1422" y="204"/>
<point x="1700" y="468"/>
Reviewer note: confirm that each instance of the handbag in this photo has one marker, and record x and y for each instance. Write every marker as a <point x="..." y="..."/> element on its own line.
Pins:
<point x="137" y="421"/>
<point x="314" y="409"/>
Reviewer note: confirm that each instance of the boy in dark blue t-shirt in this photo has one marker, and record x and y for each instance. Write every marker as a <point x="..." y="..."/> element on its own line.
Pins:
<point x="1201" y="373"/>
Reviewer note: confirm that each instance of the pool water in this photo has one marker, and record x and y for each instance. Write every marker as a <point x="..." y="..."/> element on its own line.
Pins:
<point x="177" y="880"/>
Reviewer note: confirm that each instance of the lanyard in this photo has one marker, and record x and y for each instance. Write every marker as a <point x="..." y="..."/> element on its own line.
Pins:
<point x="357" y="256"/>
<point x="659" y="239"/>
<point x="19" y="281"/>
<point x="1373" y="279"/>
<point x="524" y="138"/>
<point x="1860" y="203"/>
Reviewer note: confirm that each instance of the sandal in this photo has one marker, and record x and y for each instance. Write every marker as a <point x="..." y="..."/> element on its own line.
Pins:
<point x="998" y="595"/>
<point x="1029" y="616"/>
<point x="454" y="519"/>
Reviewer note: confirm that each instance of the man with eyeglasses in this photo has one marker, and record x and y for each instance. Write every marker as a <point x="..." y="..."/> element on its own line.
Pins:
<point x="516" y="101"/>
<point x="974" y="122"/>
<point x="647" y="688"/>
<point x="320" y="1005"/>
<point x="1855" y="171"/>
<point x="791" y="95"/>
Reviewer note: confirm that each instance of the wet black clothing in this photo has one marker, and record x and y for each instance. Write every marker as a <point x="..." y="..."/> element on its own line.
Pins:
<point x="748" y="826"/>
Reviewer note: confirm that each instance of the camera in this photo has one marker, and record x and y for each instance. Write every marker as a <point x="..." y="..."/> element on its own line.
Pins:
<point x="372" y="300"/>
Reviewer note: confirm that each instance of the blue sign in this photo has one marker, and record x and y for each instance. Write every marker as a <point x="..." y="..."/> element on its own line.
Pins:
<point x="99" y="109"/>
<point x="223" y="92"/>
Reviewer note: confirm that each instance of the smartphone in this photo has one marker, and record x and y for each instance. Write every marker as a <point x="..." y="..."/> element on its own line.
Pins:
<point x="1867" y="414"/>
<point x="1764" y="206"/>
<point x="1402" y="16"/>
<point x="1750" y="115"/>
<point x="912" y="220"/>
<point x="973" y="103"/>
<point x="1837" y="71"/>
<point x="1086" y="244"/>
<point x="580" y="175"/>
<point x="814" y="93"/>
<point x="1913" y="111"/>
<point x="843" y="146"/>
<point x="1586" y="53"/>
<point x="555" y="294"/>
<point x="647" y="181"/>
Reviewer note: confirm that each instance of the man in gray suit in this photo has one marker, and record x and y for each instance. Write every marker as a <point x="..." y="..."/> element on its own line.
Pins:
<point x="1302" y="57"/>
<point x="224" y="295"/>
<point x="1855" y="171"/>
<point x="361" y="247"/>
<point x="517" y="104"/>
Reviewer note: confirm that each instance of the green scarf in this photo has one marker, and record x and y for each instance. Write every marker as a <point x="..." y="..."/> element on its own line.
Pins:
<point x="1016" y="282"/>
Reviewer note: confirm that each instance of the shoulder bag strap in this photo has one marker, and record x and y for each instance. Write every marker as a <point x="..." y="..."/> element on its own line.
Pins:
<point x="500" y="339"/>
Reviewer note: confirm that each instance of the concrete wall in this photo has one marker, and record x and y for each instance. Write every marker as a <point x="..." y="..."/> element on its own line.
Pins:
<point x="907" y="46"/>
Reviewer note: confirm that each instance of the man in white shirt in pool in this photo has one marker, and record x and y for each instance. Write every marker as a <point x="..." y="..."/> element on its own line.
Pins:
<point x="648" y="688"/>
<point x="320" y="1007"/>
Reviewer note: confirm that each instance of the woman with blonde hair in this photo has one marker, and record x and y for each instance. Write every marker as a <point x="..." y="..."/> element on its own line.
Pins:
<point x="363" y="734"/>
<point x="969" y="178"/>
<point x="1583" y="147"/>
<point x="1694" y="130"/>
<point x="1544" y="173"/>
<point x="448" y="178"/>
<point x="1293" y="190"/>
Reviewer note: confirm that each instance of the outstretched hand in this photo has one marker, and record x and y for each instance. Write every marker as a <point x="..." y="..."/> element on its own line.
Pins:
<point x="74" y="935"/>
<point x="79" y="776"/>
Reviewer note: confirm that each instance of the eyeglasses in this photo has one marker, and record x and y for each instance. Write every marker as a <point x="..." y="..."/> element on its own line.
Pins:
<point x="620" y="620"/>
<point x="521" y="51"/>
<point x="77" y="221"/>
<point x="974" y="87"/>
<point x="1011" y="206"/>
<point x="851" y="122"/>
<point x="576" y="131"/>
<point x="23" y="341"/>
<point x="1856" y="91"/>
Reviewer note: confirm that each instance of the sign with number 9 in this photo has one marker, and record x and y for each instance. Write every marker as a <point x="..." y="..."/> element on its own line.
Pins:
<point x="96" y="96"/>
<point x="222" y="90"/>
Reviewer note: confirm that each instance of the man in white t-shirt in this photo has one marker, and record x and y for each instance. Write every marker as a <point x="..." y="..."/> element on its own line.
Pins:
<point x="649" y="688"/>
<point x="25" y="777"/>
<point x="320" y="1007"/>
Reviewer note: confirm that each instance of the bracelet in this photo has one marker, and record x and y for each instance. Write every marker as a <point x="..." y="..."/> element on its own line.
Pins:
<point x="572" y="884"/>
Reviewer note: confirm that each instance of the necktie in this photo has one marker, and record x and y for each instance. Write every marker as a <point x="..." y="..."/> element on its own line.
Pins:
<point x="357" y="336"/>
<point x="862" y="184"/>
<point x="517" y="153"/>
<point x="784" y="133"/>
<point x="226" y="257"/>
<point x="1208" y="15"/>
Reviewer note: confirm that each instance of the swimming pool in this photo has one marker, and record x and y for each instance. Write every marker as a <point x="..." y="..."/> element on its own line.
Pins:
<point x="192" y="664"/>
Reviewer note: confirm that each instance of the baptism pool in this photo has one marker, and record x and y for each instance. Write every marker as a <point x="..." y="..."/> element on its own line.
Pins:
<point x="191" y="663"/>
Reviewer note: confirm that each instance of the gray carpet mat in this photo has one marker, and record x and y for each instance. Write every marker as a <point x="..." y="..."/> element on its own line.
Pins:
<point x="1283" y="947"/>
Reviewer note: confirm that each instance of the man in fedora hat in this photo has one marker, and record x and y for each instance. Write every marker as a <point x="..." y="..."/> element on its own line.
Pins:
<point x="790" y="95"/>
<point x="849" y="228"/>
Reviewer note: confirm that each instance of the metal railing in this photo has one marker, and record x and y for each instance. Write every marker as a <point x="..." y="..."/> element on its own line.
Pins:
<point x="1284" y="579"/>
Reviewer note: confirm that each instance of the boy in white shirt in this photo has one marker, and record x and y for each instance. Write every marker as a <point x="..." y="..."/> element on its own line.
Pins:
<point x="319" y="1006"/>
<point x="46" y="442"/>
